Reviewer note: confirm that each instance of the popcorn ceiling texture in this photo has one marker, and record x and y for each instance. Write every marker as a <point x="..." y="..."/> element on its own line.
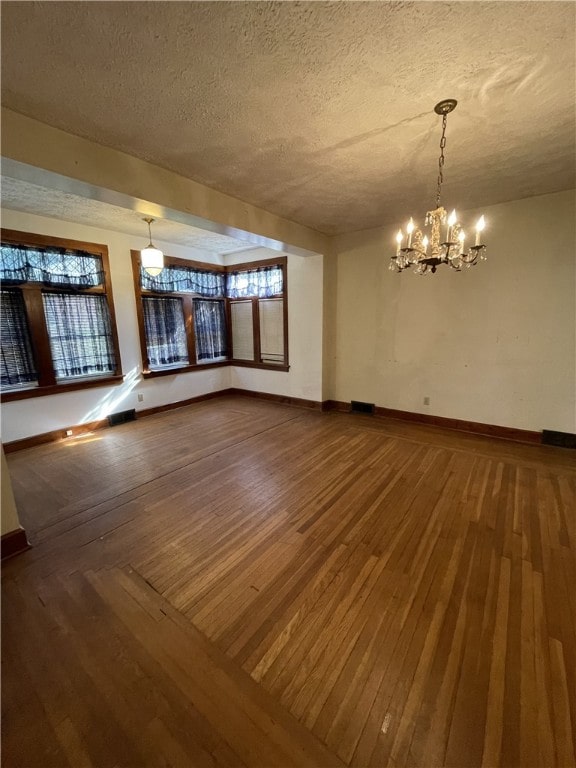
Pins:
<point x="31" y="198"/>
<point x="319" y="112"/>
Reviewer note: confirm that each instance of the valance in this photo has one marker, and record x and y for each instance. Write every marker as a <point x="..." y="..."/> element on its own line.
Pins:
<point x="51" y="266"/>
<point x="263" y="282"/>
<point x="178" y="279"/>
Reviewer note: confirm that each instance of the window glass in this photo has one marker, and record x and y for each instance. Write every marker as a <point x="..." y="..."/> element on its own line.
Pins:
<point x="262" y="282"/>
<point x="80" y="334"/>
<point x="178" y="279"/>
<point x="210" y="331"/>
<point x="165" y="331"/>
<point x="271" y="330"/>
<point x="242" y="330"/>
<point x="50" y="266"/>
<point x="17" y="359"/>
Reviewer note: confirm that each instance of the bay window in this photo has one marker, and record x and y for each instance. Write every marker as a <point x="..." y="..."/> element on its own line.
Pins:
<point x="195" y="315"/>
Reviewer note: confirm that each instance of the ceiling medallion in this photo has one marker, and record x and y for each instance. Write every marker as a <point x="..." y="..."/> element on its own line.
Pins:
<point x="415" y="249"/>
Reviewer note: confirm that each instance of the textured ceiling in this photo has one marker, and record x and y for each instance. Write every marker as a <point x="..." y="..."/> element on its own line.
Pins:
<point x="31" y="198"/>
<point x="319" y="112"/>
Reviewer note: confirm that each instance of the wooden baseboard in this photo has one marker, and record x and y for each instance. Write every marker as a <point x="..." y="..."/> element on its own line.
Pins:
<point x="299" y="402"/>
<point x="181" y="403"/>
<point x="54" y="436"/>
<point x="13" y="543"/>
<point x="491" y="430"/>
<point x="80" y="429"/>
<point x="474" y="427"/>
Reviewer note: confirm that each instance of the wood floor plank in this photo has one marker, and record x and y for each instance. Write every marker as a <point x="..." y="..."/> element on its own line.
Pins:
<point x="290" y="588"/>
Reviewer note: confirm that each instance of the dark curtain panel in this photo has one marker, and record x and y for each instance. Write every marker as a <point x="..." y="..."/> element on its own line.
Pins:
<point x="51" y="266"/>
<point x="17" y="359"/>
<point x="263" y="283"/>
<point x="210" y="328"/>
<point x="80" y="334"/>
<point x="176" y="279"/>
<point x="165" y="331"/>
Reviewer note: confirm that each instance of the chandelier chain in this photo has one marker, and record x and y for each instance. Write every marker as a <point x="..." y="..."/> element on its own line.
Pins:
<point x="441" y="161"/>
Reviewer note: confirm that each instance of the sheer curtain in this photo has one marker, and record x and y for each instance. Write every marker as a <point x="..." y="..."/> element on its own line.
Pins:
<point x="165" y="331"/>
<point x="80" y="334"/>
<point x="210" y="327"/>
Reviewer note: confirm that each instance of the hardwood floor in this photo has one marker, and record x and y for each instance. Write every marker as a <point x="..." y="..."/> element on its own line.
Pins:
<point x="245" y="583"/>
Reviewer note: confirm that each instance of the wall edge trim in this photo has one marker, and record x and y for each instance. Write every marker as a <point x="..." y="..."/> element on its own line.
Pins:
<point x="13" y="543"/>
<point x="472" y="427"/>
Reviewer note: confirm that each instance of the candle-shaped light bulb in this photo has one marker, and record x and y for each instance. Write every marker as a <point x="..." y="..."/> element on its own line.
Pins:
<point x="461" y="237"/>
<point x="425" y="243"/>
<point x="399" y="238"/>
<point x="480" y="224"/>
<point x="410" y="229"/>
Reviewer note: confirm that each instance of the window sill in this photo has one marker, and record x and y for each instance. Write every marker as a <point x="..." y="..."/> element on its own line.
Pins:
<point x="152" y="373"/>
<point x="263" y="366"/>
<point x="59" y="389"/>
<point x="176" y="370"/>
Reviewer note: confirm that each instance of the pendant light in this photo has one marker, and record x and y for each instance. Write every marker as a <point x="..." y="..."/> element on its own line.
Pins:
<point x="151" y="258"/>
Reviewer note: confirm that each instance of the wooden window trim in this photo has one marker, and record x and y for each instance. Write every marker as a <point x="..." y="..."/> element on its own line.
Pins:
<point x="8" y="395"/>
<point x="188" y="303"/>
<point x="32" y="294"/>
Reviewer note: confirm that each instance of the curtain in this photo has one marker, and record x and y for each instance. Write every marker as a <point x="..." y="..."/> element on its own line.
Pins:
<point x="177" y="279"/>
<point x="17" y="359"/>
<point x="210" y="328"/>
<point x="165" y="331"/>
<point x="50" y="266"/>
<point x="262" y="282"/>
<point x="80" y="334"/>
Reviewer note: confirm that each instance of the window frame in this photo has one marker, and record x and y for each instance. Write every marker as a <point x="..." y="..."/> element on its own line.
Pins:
<point x="188" y="311"/>
<point x="39" y="337"/>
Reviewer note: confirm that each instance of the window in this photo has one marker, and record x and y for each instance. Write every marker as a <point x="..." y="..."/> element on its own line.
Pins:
<point x="182" y="316"/>
<point x="195" y="314"/>
<point x="258" y="313"/>
<point x="57" y="316"/>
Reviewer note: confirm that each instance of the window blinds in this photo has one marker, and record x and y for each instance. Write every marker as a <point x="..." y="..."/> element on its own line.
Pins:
<point x="272" y="330"/>
<point x="17" y="359"/>
<point x="242" y="330"/>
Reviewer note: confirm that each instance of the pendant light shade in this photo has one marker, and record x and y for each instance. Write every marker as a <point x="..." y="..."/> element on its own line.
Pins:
<point x="151" y="258"/>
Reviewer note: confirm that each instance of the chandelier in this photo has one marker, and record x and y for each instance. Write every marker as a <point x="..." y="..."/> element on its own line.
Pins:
<point x="423" y="254"/>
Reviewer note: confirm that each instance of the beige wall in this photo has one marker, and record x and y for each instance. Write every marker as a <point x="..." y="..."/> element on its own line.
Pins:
<point x="10" y="521"/>
<point x="493" y="344"/>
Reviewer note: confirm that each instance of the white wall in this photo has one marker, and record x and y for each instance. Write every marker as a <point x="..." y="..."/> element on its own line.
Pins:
<point x="493" y="344"/>
<point x="304" y="380"/>
<point x="37" y="415"/>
